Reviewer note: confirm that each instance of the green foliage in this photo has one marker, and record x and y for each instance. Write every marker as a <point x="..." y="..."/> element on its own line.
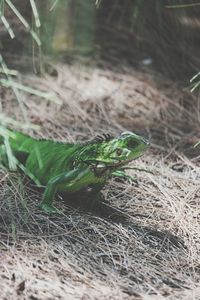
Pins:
<point x="12" y="162"/>
<point x="195" y="82"/>
<point x="20" y="17"/>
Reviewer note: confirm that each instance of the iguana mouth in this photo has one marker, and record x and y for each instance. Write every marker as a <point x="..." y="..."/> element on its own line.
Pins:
<point x="104" y="164"/>
<point x="100" y="164"/>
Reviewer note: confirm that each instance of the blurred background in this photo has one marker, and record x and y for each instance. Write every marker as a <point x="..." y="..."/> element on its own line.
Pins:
<point x="154" y="43"/>
<point x="162" y="33"/>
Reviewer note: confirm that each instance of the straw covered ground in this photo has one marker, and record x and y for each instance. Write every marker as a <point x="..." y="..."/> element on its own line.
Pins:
<point x="143" y="242"/>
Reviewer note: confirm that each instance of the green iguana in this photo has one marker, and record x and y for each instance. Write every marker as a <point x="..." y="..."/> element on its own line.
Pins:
<point x="70" y="168"/>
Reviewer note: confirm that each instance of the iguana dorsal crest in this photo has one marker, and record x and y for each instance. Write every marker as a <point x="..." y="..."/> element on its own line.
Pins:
<point x="106" y="137"/>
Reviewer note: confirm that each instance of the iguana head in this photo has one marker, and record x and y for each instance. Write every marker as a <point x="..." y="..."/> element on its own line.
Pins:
<point x="113" y="152"/>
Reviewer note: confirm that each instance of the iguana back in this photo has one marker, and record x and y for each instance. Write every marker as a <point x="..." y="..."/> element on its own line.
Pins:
<point x="42" y="159"/>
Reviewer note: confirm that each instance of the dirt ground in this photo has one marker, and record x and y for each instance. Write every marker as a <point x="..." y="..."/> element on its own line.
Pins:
<point x="144" y="242"/>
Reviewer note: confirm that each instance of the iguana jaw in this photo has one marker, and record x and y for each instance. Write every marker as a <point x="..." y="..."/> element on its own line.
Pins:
<point x="104" y="164"/>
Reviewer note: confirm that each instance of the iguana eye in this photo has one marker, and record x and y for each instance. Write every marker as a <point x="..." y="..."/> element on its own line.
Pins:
<point x="118" y="151"/>
<point x="131" y="144"/>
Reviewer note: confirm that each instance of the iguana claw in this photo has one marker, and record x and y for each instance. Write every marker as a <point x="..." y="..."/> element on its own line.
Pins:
<point x="49" y="209"/>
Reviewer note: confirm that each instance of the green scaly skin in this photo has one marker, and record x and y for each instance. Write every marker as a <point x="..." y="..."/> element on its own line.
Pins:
<point x="70" y="168"/>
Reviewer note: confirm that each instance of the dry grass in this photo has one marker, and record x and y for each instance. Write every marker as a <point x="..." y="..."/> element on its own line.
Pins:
<point x="143" y="243"/>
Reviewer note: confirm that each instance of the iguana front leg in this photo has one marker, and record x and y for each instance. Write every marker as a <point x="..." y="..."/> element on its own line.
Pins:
<point x="122" y="174"/>
<point x="69" y="182"/>
<point x="62" y="182"/>
<point x="136" y="168"/>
